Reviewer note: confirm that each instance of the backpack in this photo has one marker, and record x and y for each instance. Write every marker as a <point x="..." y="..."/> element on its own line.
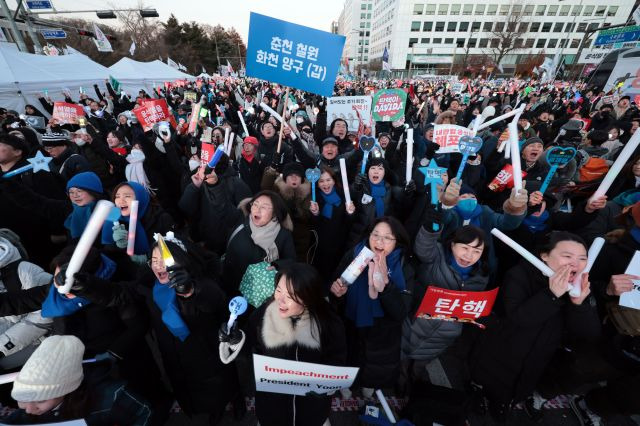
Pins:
<point x="594" y="169"/>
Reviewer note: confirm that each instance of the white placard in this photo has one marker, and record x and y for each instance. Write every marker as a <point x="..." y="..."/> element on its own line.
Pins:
<point x="344" y="107"/>
<point x="448" y="135"/>
<point x="631" y="299"/>
<point x="299" y="378"/>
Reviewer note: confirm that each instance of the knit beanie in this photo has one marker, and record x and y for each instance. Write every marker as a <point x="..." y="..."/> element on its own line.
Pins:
<point x="53" y="370"/>
<point x="88" y="181"/>
<point x="331" y="140"/>
<point x="530" y="141"/>
<point x="293" y="169"/>
<point x="14" y="142"/>
<point x="55" y="139"/>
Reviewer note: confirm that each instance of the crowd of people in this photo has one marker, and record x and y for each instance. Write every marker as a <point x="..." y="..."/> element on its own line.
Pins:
<point x="151" y="333"/>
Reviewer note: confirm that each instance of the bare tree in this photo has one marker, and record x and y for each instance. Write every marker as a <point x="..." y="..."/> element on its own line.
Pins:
<point x="507" y="33"/>
<point x="144" y="31"/>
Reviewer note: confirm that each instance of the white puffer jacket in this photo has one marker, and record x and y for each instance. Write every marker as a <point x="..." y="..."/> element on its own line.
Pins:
<point x="20" y="331"/>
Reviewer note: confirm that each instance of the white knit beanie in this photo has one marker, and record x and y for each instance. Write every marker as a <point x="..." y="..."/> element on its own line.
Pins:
<point x="54" y="369"/>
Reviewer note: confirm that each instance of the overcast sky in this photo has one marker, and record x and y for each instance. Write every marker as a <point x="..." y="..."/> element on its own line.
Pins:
<point x="229" y="13"/>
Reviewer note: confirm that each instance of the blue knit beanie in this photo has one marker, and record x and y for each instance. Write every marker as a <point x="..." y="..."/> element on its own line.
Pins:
<point x="88" y="181"/>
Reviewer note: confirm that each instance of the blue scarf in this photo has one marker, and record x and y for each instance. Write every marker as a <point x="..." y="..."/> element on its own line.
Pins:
<point x="141" y="245"/>
<point x="58" y="305"/>
<point x="361" y="309"/>
<point x="378" y="191"/>
<point x="536" y="223"/>
<point x="472" y="216"/>
<point x="635" y="233"/>
<point x="331" y="200"/>
<point x="464" y="273"/>
<point x="627" y="198"/>
<point x="166" y="300"/>
<point x="77" y="220"/>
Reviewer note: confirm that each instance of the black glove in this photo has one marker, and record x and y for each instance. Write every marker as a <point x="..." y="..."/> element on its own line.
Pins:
<point x="410" y="188"/>
<point x="180" y="280"/>
<point x="432" y="147"/>
<point x="232" y="337"/>
<point x="432" y="216"/>
<point x="277" y="162"/>
<point x="360" y="181"/>
<point x="80" y="279"/>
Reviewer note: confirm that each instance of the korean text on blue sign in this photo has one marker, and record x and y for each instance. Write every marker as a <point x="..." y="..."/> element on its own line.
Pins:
<point x="53" y="34"/>
<point x="618" y="35"/>
<point x="293" y="55"/>
<point x="39" y="4"/>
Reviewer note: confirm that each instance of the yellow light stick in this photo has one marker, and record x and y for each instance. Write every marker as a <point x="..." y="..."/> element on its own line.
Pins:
<point x="167" y="257"/>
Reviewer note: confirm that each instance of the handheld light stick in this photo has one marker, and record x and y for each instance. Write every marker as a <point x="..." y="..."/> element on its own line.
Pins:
<point x="133" y="222"/>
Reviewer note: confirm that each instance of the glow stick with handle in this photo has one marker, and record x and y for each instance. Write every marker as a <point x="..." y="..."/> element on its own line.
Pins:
<point x="594" y="251"/>
<point x="244" y="125"/>
<point x="530" y="257"/>
<point x="227" y="131"/>
<point x="133" y="222"/>
<point x="407" y="174"/>
<point x="620" y="162"/>
<point x="230" y="143"/>
<point x="94" y="226"/>
<point x="237" y="307"/>
<point x="345" y="180"/>
<point x="514" y="152"/>
<point x="385" y="406"/>
<point x="167" y="257"/>
<point x="278" y="117"/>
<point x="498" y="118"/>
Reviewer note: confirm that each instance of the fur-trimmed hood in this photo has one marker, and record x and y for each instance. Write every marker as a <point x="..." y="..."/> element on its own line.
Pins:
<point x="277" y="331"/>
<point x="243" y="205"/>
<point x="300" y="193"/>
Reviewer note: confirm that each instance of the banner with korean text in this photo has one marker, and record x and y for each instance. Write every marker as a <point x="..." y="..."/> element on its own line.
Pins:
<point x="151" y="112"/>
<point x="348" y="108"/>
<point x="67" y="113"/>
<point x="448" y="135"/>
<point x="299" y="378"/>
<point x="293" y="55"/>
<point x="450" y="305"/>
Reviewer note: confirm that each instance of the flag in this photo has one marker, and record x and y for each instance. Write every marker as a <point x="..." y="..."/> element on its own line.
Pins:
<point x="229" y="67"/>
<point x="132" y="48"/>
<point x="203" y="70"/>
<point x="101" y="41"/>
<point x="114" y="83"/>
<point x="160" y="59"/>
<point x="560" y="71"/>
<point x="385" y="60"/>
<point x="172" y="63"/>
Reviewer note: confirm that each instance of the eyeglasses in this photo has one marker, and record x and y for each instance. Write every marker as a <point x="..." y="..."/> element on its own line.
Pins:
<point x="384" y="238"/>
<point x="261" y="207"/>
<point x="158" y="264"/>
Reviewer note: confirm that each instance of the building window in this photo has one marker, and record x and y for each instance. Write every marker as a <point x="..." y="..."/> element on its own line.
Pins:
<point x="600" y="10"/>
<point x="363" y="15"/>
<point x="612" y="11"/>
<point x="529" y="43"/>
<point x="467" y="9"/>
<point x="430" y="9"/>
<point x="492" y="9"/>
<point x="499" y="27"/>
<point x="504" y="9"/>
<point x="412" y="41"/>
<point x="517" y="9"/>
<point x="571" y="26"/>
<point x="425" y="41"/>
<point x="472" y="42"/>
<point x="552" y="43"/>
<point x="487" y="26"/>
<point x="495" y="42"/>
<point x="464" y="26"/>
<point x="592" y="26"/>
<point x="437" y="40"/>
<point x="417" y="9"/>
<point x="540" y="43"/>
<point x="535" y="27"/>
<point x="484" y="42"/>
<point x="475" y="27"/>
<point x="460" y="42"/>
<point x="427" y="26"/>
<point x="370" y="6"/>
<point x="439" y="26"/>
<point x="575" y="11"/>
<point x="588" y="10"/>
<point x="480" y="9"/>
<point x="455" y="9"/>
<point x="528" y="10"/>
<point x="524" y="26"/>
<point x="363" y="6"/>
<point x="564" y="10"/>
<point x="443" y="9"/>
<point x="518" y="43"/>
<point x="563" y="43"/>
<point x="448" y="40"/>
<point x="540" y="10"/>
<point x="546" y="27"/>
<point x="415" y="26"/>
<point x="575" y="43"/>
<point x="553" y="10"/>
<point x="582" y="27"/>
<point x="557" y="28"/>
<point x="451" y="26"/>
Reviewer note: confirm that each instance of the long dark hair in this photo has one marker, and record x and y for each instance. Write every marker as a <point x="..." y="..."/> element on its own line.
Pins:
<point x="304" y="285"/>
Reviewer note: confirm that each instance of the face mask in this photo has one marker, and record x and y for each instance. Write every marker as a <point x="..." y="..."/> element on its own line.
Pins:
<point x="79" y="141"/>
<point x="467" y="205"/>
<point x="99" y="113"/>
<point x="193" y="164"/>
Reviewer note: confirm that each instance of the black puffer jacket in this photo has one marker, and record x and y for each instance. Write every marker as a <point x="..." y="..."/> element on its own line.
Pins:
<point x="424" y="339"/>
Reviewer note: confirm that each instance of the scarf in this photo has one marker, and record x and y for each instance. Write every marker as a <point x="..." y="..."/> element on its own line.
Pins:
<point x="247" y="157"/>
<point x="141" y="245"/>
<point x="361" y="309"/>
<point x="58" y="305"/>
<point x="536" y="223"/>
<point x="134" y="171"/>
<point x="635" y="233"/>
<point x="464" y="272"/>
<point x="627" y="198"/>
<point x="166" y="300"/>
<point x="378" y="191"/>
<point x="472" y="217"/>
<point x="265" y="238"/>
<point x="120" y="151"/>
<point x="78" y="219"/>
<point x="331" y="200"/>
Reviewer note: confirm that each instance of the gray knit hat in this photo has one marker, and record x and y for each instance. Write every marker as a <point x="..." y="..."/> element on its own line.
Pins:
<point x="55" y="139"/>
<point x="53" y="370"/>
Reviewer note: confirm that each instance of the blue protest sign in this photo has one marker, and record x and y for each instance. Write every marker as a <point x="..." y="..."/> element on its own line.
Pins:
<point x="293" y="55"/>
<point x="556" y="157"/>
<point x="53" y="34"/>
<point x="39" y="4"/>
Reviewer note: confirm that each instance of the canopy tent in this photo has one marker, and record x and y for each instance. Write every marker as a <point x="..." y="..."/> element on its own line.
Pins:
<point x="204" y="75"/>
<point x="148" y="74"/>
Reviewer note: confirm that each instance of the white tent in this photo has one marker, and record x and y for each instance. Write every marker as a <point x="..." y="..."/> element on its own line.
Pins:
<point x="24" y="76"/>
<point x="148" y="74"/>
<point x="204" y="75"/>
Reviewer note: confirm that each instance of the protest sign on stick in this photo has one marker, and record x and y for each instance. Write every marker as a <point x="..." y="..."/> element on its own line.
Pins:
<point x="67" y="113"/>
<point x="465" y="306"/>
<point x="448" y="135"/>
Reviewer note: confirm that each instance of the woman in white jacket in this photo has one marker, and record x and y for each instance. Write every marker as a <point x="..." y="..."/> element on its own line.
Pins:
<point x="20" y="334"/>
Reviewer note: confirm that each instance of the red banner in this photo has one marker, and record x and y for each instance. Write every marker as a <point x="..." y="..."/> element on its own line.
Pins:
<point x="451" y="305"/>
<point x="67" y="113"/>
<point x="206" y="153"/>
<point x="504" y="179"/>
<point x="153" y="111"/>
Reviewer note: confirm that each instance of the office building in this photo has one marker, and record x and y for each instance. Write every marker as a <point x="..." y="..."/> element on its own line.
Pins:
<point x="355" y="24"/>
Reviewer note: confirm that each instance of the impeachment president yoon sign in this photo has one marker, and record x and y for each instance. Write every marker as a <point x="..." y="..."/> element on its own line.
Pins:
<point x="299" y="378"/>
<point x="293" y="55"/>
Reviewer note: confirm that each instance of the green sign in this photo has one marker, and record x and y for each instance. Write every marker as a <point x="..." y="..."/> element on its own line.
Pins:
<point x="388" y="104"/>
<point x="114" y="83"/>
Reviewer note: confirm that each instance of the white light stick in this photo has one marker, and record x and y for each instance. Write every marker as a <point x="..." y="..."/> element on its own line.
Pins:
<point x="226" y="138"/>
<point x="244" y="126"/>
<point x="523" y="252"/>
<point x="133" y="221"/>
<point x="94" y="226"/>
<point x="499" y="118"/>
<point x="345" y="181"/>
<point x="407" y="175"/>
<point x="232" y="136"/>
<point x="278" y="117"/>
<point x="593" y="253"/>
<point x="514" y="151"/>
<point x="620" y="162"/>
<point x="385" y="406"/>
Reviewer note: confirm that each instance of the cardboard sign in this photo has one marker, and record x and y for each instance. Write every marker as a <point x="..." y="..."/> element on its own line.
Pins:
<point x="67" y="113"/>
<point x="293" y="55"/>
<point x="195" y="116"/>
<point x="345" y="107"/>
<point x="153" y="111"/>
<point x="448" y="135"/>
<point x="462" y="306"/>
<point x="299" y="378"/>
<point x="457" y="88"/>
<point x="206" y="153"/>
<point x="190" y="96"/>
<point x="388" y="104"/>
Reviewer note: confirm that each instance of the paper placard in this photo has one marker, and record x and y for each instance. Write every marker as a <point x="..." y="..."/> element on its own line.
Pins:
<point x="67" y="113"/>
<point x="463" y="306"/>
<point x="448" y="135"/>
<point x="345" y="107"/>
